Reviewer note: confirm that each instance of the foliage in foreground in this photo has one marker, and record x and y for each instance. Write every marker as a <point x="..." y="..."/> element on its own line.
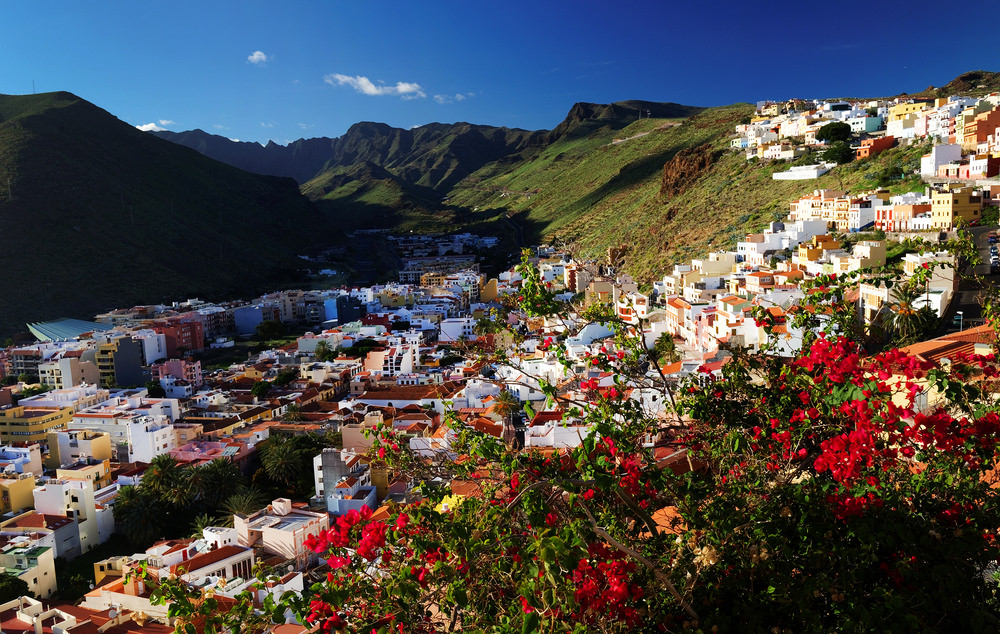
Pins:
<point x="805" y="494"/>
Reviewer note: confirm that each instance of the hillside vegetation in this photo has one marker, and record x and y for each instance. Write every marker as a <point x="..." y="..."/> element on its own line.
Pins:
<point x="95" y="214"/>
<point x="604" y="189"/>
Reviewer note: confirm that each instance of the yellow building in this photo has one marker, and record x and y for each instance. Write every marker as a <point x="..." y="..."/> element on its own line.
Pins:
<point x="432" y="278"/>
<point x="33" y="564"/>
<point x="110" y="567"/>
<point x="15" y="493"/>
<point x="398" y="300"/>
<point x="489" y="292"/>
<point x="950" y="206"/>
<point x="92" y="470"/>
<point x="868" y="254"/>
<point x="814" y="249"/>
<point x="900" y="111"/>
<point x="69" y="447"/>
<point x="32" y="424"/>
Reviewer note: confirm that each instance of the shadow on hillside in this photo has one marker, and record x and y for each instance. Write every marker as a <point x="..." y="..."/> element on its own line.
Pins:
<point x="630" y="174"/>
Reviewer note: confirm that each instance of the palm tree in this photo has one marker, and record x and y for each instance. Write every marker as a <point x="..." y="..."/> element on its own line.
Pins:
<point x="506" y="405"/>
<point x="139" y="515"/>
<point x="282" y="461"/>
<point x="165" y="478"/>
<point x="162" y="474"/>
<point x="201" y="522"/>
<point x="245" y="503"/>
<point x="665" y="350"/>
<point x="906" y="323"/>
<point x="222" y="480"/>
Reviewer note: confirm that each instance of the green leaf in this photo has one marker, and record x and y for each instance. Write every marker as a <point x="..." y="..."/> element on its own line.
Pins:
<point x="531" y="623"/>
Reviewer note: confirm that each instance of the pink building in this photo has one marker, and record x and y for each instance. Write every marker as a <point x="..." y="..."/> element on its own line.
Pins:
<point x="189" y="371"/>
<point x="200" y="452"/>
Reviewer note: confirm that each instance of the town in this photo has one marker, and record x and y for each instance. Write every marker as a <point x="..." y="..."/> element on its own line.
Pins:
<point x="95" y="410"/>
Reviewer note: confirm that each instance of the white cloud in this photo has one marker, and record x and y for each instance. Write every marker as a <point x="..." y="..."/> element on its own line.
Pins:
<point x="459" y="96"/>
<point x="151" y="127"/>
<point x="258" y="57"/>
<point x="306" y="126"/>
<point x="268" y="124"/>
<point x="365" y="86"/>
<point x="219" y="126"/>
<point x="166" y="122"/>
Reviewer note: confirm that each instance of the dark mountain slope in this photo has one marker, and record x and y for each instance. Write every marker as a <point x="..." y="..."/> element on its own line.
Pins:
<point x="95" y="214"/>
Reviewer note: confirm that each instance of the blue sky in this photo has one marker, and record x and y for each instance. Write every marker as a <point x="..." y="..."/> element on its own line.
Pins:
<point x="286" y="70"/>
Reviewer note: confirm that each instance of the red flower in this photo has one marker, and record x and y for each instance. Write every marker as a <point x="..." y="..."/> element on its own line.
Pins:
<point x="402" y="521"/>
<point x="338" y="562"/>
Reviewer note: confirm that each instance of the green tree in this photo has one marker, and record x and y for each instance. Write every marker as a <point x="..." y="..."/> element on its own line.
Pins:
<point x="155" y="389"/>
<point x="325" y="353"/>
<point x="839" y="152"/>
<point x="506" y="405"/>
<point x="245" y="503"/>
<point x="139" y="514"/>
<point x="220" y="479"/>
<point x="270" y="329"/>
<point x="906" y="322"/>
<point x="832" y="132"/>
<point x="201" y="522"/>
<point x="12" y="587"/>
<point x="163" y="475"/>
<point x="261" y="389"/>
<point x="282" y="460"/>
<point x="285" y="376"/>
<point x="665" y="349"/>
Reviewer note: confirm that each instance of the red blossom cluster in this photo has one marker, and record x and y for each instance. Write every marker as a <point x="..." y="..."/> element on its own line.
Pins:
<point x="604" y="587"/>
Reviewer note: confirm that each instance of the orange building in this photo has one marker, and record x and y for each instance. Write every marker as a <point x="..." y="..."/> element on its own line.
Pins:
<point x="978" y="129"/>
<point x="871" y="147"/>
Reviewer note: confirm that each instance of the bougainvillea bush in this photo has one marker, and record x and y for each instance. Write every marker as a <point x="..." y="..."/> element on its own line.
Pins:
<point x="787" y="495"/>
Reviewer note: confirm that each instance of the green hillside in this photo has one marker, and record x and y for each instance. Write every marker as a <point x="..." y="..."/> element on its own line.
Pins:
<point x="402" y="177"/>
<point x="603" y="189"/>
<point x="95" y="214"/>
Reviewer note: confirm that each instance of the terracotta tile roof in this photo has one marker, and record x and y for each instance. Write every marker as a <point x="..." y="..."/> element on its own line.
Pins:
<point x="34" y="519"/>
<point x="466" y="488"/>
<point x="207" y="559"/>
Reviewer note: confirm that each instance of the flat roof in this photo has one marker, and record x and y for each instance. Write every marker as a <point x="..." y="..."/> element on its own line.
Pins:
<point x="65" y="328"/>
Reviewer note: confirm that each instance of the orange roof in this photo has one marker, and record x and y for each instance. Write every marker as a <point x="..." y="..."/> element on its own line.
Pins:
<point x="207" y="559"/>
<point x="347" y="484"/>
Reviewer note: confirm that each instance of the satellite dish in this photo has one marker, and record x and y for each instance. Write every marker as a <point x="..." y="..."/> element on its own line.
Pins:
<point x="112" y="613"/>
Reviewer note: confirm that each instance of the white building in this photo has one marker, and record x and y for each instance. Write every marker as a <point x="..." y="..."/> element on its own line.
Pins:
<point x="282" y="530"/>
<point x="939" y="155"/>
<point x="75" y="499"/>
<point x="457" y="328"/>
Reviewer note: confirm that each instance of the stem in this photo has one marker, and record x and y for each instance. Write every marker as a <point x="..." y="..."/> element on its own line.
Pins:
<point x="662" y="578"/>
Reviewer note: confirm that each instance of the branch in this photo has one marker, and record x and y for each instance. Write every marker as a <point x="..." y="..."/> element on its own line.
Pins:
<point x="662" y="578"/>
